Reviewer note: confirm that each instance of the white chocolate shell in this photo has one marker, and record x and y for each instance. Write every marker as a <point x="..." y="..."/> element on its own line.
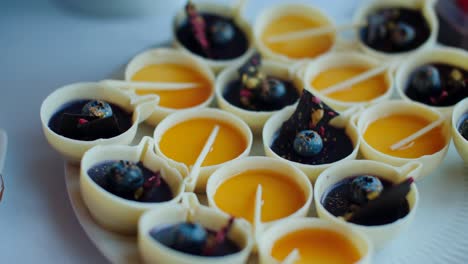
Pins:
<point x="460" y="142"/>
<point x="345" y="59"/>
<point x="234" y="168"/>
<point x="450" y="56"/>
<point x="279" y="10"/>
<point x="210" y="113"/>
<point x="273" y="126"/>
<point x="190" y="210"/>
<point x="170" y="56"/>
<point x="427" y="9"/>
<point x="73" y="149"/>
<point x="277" y="231"/>
<point x="222" y="10"/>
<point x="255" y="119"/>
<point x="384" y="109"/>
<point x="111" y="211"/>
<point x="381" y="234"/>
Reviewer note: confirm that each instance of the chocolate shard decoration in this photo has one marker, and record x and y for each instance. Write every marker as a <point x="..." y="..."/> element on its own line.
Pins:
<point x="86" y="127"/>
<point x="69" y="125"/>
<point x="387" y="200"/>
<point x="198" y="25"/>
<point x="2" y="187"/>
<point x="101" y="128"/>
<point x="311" y="114"/>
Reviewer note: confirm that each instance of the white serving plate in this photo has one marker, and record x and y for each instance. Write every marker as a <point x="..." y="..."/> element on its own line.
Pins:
<point x="439" y="233"/>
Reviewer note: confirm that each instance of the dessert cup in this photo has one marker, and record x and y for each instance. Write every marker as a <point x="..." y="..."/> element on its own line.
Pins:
<point x="208" y="113"/>
<point x="345" y="59"/>
<point x="289" y="172"/>
<point x="153" y="251"/>
<point x="273" y="125"/>
<point x="427" y="9"/>
<point x="222" y="10"/>
<point x="274" y="12"/>
<point x="273" y="234"/>
<point x="380" y="234"/>
<point x="461" y="143"/>
<point x="169" y="56"/>
<point x="72" y="149"/>
<point x="111" y="211"/>
<point x="255" y="119"/>
<point x="450" y="56"/>
<point x="373" y="113"/>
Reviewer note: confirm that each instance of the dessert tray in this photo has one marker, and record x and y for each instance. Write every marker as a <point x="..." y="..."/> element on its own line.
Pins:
<point x="437" y="235"/>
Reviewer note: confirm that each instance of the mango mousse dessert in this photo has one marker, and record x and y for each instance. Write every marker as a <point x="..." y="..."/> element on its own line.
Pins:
<point x="283" y="19"/>
<point x="175" y="73"/>
<point x="184" y="141"/>
<point x="384" y="132"/>
<point x="364" y="91"/>
<point x="316" y="245"/>
<point x="313" y="241"/>
<point x="282" y="196"/>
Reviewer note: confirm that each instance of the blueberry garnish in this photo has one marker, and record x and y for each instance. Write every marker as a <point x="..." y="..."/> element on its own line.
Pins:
<point x="426" y="81"/>
<point x="222" y="32"/>
<point x="308" y="143"/>
<point x="97" y="108"/>
<point x="186" y="237"/>
<point x="402" y="34"/>
<point x="377" y="30"/>
<point x="365" y="188"/>
<point x="124" y="178"/>
<point x="275" y="92"/>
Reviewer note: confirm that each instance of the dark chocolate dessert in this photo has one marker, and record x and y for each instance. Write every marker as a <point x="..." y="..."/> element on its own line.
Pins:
<point x="463" y="126"/>
<point x="394" y="30"/>
<point x="90" y="120"/>
<point x="211" y="36"/>
<point x="131" y="181"/>
<point x="307" y="136"/>
<point x="368" y="200"/>
<point x="438" y="85"/>
<point x="453" y="23"/>
<point x="254" y="91"/>
<point x="194" y="239"/>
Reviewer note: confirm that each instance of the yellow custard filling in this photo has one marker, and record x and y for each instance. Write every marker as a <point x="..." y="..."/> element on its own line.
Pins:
<point x="361" y="92"/>
<point x="384" y="132"/>
<point x="317" y="246"/>
<point x="281" y="196"/>
<point x="308" y="47"/>
<point x="184" y="142"/>
<point x="167" y="72"/>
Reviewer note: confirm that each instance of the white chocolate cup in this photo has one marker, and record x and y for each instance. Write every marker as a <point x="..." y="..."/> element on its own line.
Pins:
<point x="428" y="10"/>
<point x="345" y="59"/>
<point x="255" y="119"/>
<point x="380" y="234"/>
<point x="371" y="114"/>
<point x="172" y="56"/>
<point x="222" y="10"/>
<point x="460" y="142"/>
<point x="211" y="113"/>
<point x="273" y="126"/>
<point x="277" y="231"/>
<point x="261" y="163"/>
<point x="111" y="211"/>
<point x="190" y="210"/>
<point x="274" y="12"/>
<point x="450" y="56"/>
<point x="73" y="149"/>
